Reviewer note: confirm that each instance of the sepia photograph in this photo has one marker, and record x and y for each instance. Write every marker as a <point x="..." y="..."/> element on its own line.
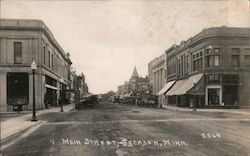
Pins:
<point x="125" y="78"/>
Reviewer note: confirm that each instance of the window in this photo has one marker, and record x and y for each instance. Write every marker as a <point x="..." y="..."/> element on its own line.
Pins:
<point x="44" y="55"/>
<point x="197" y="55"/>
<point x="52" y="61"/>
<point x="17" y="52"/>
<point x="236" y="50"/>
<point x="49" y="58"/>
<point x="187" y="64"/>
<point x="217" y="50"/>
<point x="247" y="50"/>
<point x="0" y="52"/>
<point x="235" y="60"/>
<point x="208" y="51"/>
<point x="208" y="61"/>
<point x="213" y="79"/>
<point x="216" y="60"/>
<point x="247" y="57"/>
<point x="247" y="60"/>
<point x="201" y="53"/>
<point x="230" y="79"/>
<point x="213" y="59"/>
<point x="197" y="61"/>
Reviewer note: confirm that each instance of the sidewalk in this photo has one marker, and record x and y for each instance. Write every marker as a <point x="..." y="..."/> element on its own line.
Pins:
<point x="237" y="111"/>
<point x="20" y="123"/>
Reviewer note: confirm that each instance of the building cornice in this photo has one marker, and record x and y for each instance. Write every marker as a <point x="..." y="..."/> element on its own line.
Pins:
<point x="210" y="33"/>
<point x="37" y="25"/>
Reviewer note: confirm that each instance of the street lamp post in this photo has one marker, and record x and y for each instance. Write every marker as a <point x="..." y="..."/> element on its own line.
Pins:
<point x="33" y="68"/>
<point x="61" y="96"/>
<point x="194" y="103"/>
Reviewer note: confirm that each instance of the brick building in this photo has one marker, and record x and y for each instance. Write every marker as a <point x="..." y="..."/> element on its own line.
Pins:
<point x="21" y="42"/>
<point x="212" y="68"/>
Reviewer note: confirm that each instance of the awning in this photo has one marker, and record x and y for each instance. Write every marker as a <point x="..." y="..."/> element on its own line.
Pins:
<point x="166" y="88"/>
<point x="51" y="87"/>
<point x="130" y="94"/>
<point x="181" y="87"/>
<point x="199" y="88"/>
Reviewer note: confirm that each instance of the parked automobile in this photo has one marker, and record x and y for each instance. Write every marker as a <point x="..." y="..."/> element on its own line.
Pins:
<point x="89" y="100"/>
<point x="148" y="101"/>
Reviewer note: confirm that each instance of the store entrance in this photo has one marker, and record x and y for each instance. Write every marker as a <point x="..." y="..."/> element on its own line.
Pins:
<point x="214" y="96"/>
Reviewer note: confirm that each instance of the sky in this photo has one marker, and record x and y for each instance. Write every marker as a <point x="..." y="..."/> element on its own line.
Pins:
<point x="107" y="38"/>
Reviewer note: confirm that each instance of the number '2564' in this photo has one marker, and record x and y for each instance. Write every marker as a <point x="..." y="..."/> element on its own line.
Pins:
<point x="210" y="135"/>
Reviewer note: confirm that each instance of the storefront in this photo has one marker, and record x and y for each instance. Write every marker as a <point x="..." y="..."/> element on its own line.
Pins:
<point x="18" y="91"/>
<point x="184" y="92"/>
<point x="50" y="98"/>
<point x="222" y="90"/>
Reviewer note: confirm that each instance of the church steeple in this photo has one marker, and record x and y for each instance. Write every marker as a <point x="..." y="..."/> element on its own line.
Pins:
<point x="135" y="73"/>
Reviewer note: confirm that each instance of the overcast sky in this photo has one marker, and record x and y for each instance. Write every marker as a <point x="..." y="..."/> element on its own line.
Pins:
<point x="107" y="38"/>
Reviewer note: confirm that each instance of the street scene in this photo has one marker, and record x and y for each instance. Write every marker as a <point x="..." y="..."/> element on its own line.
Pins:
<point x="115" y="129"/>
<point x="140" y="78"/>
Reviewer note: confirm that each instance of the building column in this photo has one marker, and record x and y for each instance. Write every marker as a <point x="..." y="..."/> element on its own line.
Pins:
<point x="154" y="82"/>
<point x="58" y="91"/>
<point x="3" y="92"/>
<point x="158" y="81"/>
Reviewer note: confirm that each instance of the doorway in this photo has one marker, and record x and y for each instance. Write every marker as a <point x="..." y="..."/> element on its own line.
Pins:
<point x="214" y="96"/>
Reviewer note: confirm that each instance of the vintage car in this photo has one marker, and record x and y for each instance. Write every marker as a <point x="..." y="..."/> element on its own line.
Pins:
<point x="88" y="100"/>
<point x="148" y="101"/>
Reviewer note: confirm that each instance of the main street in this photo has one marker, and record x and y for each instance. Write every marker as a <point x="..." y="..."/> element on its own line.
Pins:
<point x="119" y="129"/>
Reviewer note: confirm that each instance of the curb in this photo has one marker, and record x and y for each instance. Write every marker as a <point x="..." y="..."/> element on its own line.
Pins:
<point x="204" y="110"/>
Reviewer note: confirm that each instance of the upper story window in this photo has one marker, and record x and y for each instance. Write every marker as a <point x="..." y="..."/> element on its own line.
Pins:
<point x="52" y="61"/>
<point x="208" y="51"/>
<point x="0" y="52"/>
<point x="247" y="50"/>
<point x="217" y="50"/>
<point x="17" y="52"/>
<point x="212" y="59"/>
<point x="247" y="57"/>
<point x="49" y="59"/>
<point x="171" y="68"/>
<point x="247" y="60"/>
<point x="197" y="61"/>
<point x="235" y="60"/>
<point x="235" y="50"/>
<point x="44" y="55"/>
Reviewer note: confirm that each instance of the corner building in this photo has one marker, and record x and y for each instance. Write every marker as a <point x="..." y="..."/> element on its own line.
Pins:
<point x="21" y="42"/>
<point x="211" y="69"/>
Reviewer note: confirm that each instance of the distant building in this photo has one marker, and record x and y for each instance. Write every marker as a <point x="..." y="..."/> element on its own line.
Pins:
<point x="134" y="86"/>
<point x="157" y="77"/>
<point x="157" y="73"/>
<point x="212" y="68"/>
<point x="73" y="87"/>
<point x="82" y="85"/>
<point x="21" y="42"/>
